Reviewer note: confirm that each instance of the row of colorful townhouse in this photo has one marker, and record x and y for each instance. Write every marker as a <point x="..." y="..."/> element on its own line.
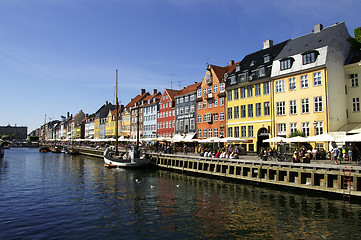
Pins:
<point x="308" y="84"/>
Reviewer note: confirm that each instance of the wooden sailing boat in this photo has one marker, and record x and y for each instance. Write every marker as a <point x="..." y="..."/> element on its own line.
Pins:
<point x="132" y="157"/>
<point x="43" y="147"/>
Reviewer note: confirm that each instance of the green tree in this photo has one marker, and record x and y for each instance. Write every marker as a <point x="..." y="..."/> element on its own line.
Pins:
<point x="297" y="133"/>
<point x="356" y="41"/>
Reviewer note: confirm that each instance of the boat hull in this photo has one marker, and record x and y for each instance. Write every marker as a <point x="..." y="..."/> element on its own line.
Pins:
<point x="137" y="163"/>
<point x="1" y="152"/>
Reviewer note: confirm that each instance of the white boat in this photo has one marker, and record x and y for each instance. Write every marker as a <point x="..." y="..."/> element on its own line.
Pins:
<point x="1" y="148"/>
<point x="132" y="158"/>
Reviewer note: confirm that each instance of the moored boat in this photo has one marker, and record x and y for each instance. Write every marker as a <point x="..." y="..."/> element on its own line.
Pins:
<point x="132" y="158"/>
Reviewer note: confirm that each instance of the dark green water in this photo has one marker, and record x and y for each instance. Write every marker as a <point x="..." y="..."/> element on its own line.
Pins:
<point x="58" y="196"/>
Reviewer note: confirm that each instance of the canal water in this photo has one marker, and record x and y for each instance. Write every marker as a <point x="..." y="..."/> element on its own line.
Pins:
<point x="59" y="196"/>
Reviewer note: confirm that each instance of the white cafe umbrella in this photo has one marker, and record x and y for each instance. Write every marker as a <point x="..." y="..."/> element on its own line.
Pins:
<point x="296" y="139"/>
<point x="233" y="140"/>
<point x="275" y="139"/>
<point x="320" y="138"/>
<point x="350" y="138"/>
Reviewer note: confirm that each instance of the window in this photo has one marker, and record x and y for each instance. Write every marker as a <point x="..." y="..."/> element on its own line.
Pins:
<point x="204" y="91"/>
<point x="317" y="79"/>
<point x="304" y="81"/>
<point x="221" y="101"/>
<point x="243" y="111"/>
<point x="210" y="103"/>
<point x="238" y="68"/>
<point x="230" y="131"/>
<point x="265" y="88"/>
<point x="204" y="133"/>
<point x="221" y="116"/>
<point x="266" y="109"/>
<point x="305" y="105"/>
<point x="216" y="132"/>
<point x="243" y="77"/>
<point x="356" y="104"/>
<point x="204" y="104"/>
<point x="318" y="104"/>
<point x="215" y="117"/>
<point x="250" y="110"/>
<point x="243" y="131"/>
<point x="193" y="109"/>
<point x="250" y="131"/>
<point x="233" y="79"/>
<point x="199" y="133"/>
<point x="258" y="90"/>
<point x="286" y="64"/>
<point x="354" y="80"/>
<point x="306" y="128"/>
<point x="199" y="118"/>
<point x="216" y="102"/>
<point x="236" y="132"/>
<point x="236" y="112"/>
<point x="229" y="93"/>
<point x="319" y="128"/>
<point x="280" y="86"/>
<point x="186" y="110"/>
<point x="221" y="87"/>
<point x="209" y="89"/>
<point x="266" y="58"/>
<point x="199" y="93"/>
<point x="281" y="129"/>
<point x="250" y="91"/>
<point x="293" y="127"/>
<point x="199" y="106"/>
<point x="210" y="132"/>
<point x="215" y="88"/>
<point x="293" y="107"/>
<point x="204" y="117"/>
<point x="243" y="92"/>
<point x="280" y="108"/>
<point x="236" y="94"/>
<point x="230" y="113"/>
<point x="261" y="72"/>
<point x="292" y="83"/>
<point x="258" y="110"/>
<point x="309" y="57"/>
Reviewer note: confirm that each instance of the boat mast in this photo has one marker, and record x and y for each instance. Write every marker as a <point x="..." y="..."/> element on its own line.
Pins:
<point x="44" y="130"/>
<point x="116" y="114"/>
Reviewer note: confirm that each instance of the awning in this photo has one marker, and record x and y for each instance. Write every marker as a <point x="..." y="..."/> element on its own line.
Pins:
<point x="189" y="137"/>
<point x="350" y="138"/>
<point x="351" y="128"/>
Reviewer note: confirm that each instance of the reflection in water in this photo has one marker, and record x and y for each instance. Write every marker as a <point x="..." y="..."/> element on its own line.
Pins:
<point x="67" y="196"/>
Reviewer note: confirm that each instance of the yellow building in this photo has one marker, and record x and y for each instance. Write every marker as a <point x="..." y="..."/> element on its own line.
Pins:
<point x="96" y="128"/>
<point x="249" y="100"/>
<point x="125" y="123"/>
<point x="308" y="83"/>
<point x="110" y="124"/>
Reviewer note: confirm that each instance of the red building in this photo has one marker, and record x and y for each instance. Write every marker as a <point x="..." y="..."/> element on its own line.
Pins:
<point x="166" y="114"/>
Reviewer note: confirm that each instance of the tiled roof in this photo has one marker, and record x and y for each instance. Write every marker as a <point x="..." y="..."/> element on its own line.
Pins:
<point x="219" y="71"/>
<point x="172" y="93"/>
<point x="189" y="88"/>
<point x="136" y="99"/>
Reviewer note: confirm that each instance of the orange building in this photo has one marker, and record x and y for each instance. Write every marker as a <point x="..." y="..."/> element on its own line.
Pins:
<point x="211" y="101"/>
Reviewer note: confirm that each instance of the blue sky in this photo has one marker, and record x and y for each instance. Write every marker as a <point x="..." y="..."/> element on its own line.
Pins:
<point x="59" y="56"/>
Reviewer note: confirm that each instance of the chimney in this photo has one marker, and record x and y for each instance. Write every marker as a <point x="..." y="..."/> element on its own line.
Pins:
<point x="142" y="91"/>
<point x="68" y="115"/>
<point x="154" y="91"/>
<point x="231" y="62"/>
<point x="106" y="102"/>
<point x="317" y="28"/>
<point x="267" y="44"/>
<point x="86" y="115"/>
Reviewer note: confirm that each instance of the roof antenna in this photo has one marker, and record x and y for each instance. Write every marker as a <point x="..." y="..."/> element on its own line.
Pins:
<point x="171" y="80"/>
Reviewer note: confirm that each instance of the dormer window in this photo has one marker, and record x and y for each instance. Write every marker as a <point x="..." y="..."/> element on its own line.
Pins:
<point x="286" y="63"/>
<point x="252" y="63"/>
<point x="233" y="79"/>
<point x="238" y="68"/>
<point x="309" y="57"/>
<point x="262" y="72"/>
<point x="266" y="58"/>
<point x="243" y="77"/>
